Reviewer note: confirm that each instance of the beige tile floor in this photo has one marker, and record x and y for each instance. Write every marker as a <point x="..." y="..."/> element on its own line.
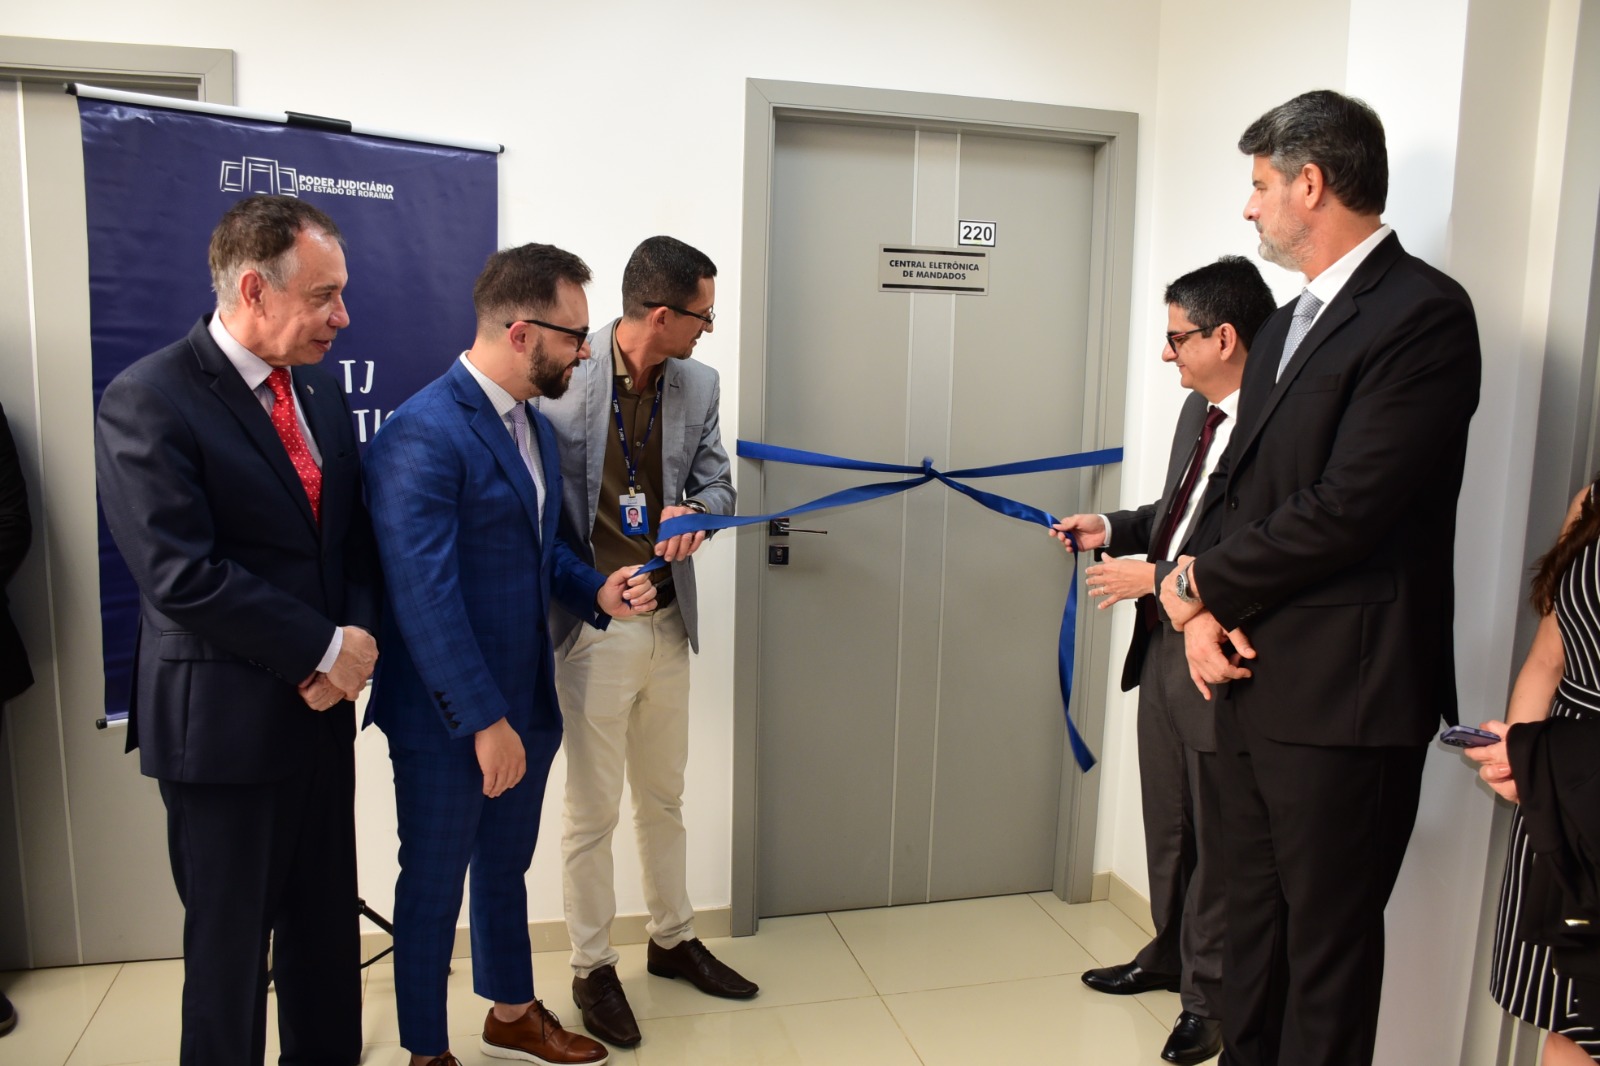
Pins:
<point x="984" y="980"/>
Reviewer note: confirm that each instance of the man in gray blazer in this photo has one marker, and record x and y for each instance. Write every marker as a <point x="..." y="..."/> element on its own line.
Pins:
<point x="1212" y="317"/>
<point x="640" y="443"/>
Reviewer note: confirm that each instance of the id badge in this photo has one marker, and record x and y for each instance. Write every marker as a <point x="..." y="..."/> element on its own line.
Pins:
<point x="635" y="514"/>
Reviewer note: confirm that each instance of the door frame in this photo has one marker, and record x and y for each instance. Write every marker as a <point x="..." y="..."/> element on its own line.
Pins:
<point x="66" y="893"/>
<point x="1114" y="137"/>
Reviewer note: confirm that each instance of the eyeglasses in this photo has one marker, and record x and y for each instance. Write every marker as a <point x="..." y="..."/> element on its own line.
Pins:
<point x="1175" y="339"/>
<point x="579" y="334"/>
<point x="709" y="317"/>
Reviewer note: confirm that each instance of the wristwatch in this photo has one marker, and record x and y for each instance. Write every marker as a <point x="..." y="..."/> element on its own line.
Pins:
<point x="696" y="506"/>
<point x="1183" y="587"/>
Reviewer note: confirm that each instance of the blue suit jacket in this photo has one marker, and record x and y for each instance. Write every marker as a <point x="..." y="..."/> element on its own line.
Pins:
<point x="239" y="587"/>
<point x="464" y="638"/>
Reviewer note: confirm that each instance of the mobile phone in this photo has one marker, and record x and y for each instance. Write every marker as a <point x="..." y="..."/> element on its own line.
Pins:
<point x="1465" y="736"/>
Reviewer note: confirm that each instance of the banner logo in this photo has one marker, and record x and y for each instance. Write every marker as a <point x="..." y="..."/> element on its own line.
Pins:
<point x="255" y="174"/>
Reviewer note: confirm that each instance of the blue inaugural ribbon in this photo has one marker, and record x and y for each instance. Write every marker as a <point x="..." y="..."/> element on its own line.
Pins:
<point x="921" y="475"/>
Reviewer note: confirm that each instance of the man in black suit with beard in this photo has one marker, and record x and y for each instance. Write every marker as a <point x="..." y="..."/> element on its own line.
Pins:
<point x="1327" y="600"/>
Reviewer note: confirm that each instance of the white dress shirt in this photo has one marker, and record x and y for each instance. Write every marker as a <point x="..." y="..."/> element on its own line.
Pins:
<point x="1326" y="285"/>
<point x="255" y="371"/>
<point x="1229" y="405"/>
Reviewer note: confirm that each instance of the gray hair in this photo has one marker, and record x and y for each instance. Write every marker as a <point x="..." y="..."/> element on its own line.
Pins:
<point x="258" y="233"/>
<point x="1341" y="135"/>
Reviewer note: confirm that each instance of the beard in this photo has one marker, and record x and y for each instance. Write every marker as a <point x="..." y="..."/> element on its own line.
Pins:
<point x="1282" y="253"/>
<point x="547" y="375"/>
<point x="1286" y="249"/>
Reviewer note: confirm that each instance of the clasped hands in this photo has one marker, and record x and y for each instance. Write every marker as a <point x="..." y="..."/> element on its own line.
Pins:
<point x="1215" y="654"/>
<point x="358" y="656"/>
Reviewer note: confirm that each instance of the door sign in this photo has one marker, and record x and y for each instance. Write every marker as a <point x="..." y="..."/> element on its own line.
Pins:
<point x="906" y="269"/>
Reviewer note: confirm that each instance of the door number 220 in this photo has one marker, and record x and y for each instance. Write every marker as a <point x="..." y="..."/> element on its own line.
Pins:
<point x="976" y="233"/>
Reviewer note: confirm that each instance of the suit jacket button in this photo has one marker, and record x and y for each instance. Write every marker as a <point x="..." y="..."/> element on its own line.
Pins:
<point x="455" y="725"/>
<point x="1233" y="503"/>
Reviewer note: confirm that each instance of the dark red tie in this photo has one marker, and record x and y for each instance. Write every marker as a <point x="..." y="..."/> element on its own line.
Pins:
<point x="288" y="427"/>
<point x="1180" y="499"/>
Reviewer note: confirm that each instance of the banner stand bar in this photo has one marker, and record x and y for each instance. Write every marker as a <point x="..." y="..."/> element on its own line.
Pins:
<point x="319" y="122"/>
<point x="287" y="118"/>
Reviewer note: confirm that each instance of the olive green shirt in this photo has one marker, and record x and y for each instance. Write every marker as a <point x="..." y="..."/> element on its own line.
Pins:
<point x="613" y="548"/>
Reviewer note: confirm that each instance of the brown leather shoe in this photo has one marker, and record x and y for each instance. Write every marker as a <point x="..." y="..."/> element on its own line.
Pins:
<point x="444" y="1060"/>
<point x="606" y="1013"/>
<point x="693" y="961"/>
<point x="537" y="1037"/>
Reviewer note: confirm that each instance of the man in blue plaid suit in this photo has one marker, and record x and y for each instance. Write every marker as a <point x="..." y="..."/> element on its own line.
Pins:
<point x="465" y="489"/>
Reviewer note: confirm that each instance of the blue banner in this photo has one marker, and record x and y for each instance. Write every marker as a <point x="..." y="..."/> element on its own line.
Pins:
<point x="419" y="220"/>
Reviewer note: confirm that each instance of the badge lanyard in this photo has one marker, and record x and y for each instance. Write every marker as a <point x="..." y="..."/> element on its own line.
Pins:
<point x="628" y="459"/>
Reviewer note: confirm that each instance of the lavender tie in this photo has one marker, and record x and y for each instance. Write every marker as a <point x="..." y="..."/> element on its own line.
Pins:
<point x="521" y="433"/>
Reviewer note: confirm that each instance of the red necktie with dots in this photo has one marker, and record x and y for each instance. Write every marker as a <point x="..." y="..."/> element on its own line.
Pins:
<point x="288" y="427"/>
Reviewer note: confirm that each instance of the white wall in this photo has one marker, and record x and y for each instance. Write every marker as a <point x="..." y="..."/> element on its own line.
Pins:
<point x="1212" y="83"/>
<point x="1469" y="162"/>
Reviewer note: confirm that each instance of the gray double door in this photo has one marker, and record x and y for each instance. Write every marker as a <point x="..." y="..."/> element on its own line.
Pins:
<point x="911" y="742"/>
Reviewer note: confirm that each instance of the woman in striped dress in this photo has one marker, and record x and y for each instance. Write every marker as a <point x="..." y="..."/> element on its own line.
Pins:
<point x="1561" y="677"/>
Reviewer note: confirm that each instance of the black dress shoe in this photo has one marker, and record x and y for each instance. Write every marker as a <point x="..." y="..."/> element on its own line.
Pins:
<point x="1194" y="1039"/>
<point x="8" y="1015"/>
<point x="1128" y="980"/>
<point x="605" y="1009"/>
<point x="692" y="961"/>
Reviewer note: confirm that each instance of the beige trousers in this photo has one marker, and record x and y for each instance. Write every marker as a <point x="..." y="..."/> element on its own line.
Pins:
<point x="625" y="698"/>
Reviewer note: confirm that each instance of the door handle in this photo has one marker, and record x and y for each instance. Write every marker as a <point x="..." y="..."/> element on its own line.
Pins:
<point x="778" y="554"/>
<point x="780" y="527"/>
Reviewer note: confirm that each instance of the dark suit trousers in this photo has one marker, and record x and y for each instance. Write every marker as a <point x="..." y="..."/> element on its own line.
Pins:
<point x="1182" y="832"/>
<point x="446" y="826"/>
<point x="276" y="858"/>
<point x="1314" y="839"/>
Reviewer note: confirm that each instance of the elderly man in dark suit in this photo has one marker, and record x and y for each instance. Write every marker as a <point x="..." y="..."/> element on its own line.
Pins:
<point x="466" y="489"/>
<point x="16" y="534"/>
<point x="1212" y="317"/>
<point x="229" y="476"/>
<point x="1331" y="573"/>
